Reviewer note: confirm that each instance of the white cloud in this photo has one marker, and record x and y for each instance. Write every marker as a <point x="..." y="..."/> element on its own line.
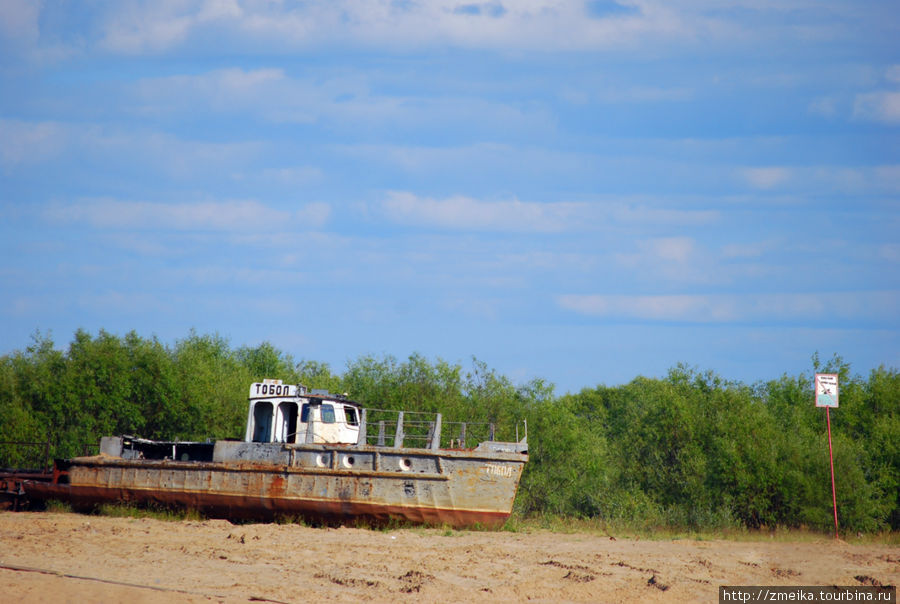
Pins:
<point x="137" y="28"/>
<point x="255" y="27"/>
<point x="235" y="81"/>
<point x="498" y="157"/>
<point x="23" y="43"/>
<point x="656" y="308"/>
<point x="461" y="212"/>
<point x="19" y="21"/>
<point x="525" y="24"/>
<point x="892" y="74"/>
<point x="890" y="252"/>
<point x="144" y="244"/>
<point x="636" y="213"/>
<point x="881" y="107"/>
<point x="292" y="176"/>
<point x="747" y="250"/>
<point x="766" y="177"/>
<point x="825" y="106"/>
<point x="220" y="9"/>
<point x="673" y="259"/>
<point x="231" y="275"/>
<point x="887" y="177"/>
<point x="33" y="307"/>
<point x="313" y="215"/>
<point x="466" y="213"/>
<point x="233" y="86"/>
<point x="128" y="303"/>
<point x="210" y="216"/>
<point x="346" y="100"/>
<point x="134" y="33"/>
<point x="644" y="94"/>
<point x="28" y="142"/>
<point x="864" y="306"/>
<point x="267" y="93"/>
<point x="825" y="178"/>
<point x="671" y="249"/>
<point x="482" y="308"/>
<point x="177" y="158"/>
<point x="667" y="161"/>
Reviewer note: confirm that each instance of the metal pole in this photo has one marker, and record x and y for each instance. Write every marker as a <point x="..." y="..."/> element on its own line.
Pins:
<point x="363" y="428"/>
<point x="831" y="458"/>
<point x="435" y="443"/>
<point x="398" y="435"/>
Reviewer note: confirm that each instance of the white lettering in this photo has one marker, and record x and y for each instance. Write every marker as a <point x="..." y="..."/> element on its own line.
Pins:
<point x="494" y="469"/>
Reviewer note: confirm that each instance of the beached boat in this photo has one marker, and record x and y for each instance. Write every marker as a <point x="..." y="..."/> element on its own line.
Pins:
<point x="312" y="455"/>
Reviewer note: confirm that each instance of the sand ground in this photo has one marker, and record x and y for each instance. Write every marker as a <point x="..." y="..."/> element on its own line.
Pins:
<point x="58" y="557"/>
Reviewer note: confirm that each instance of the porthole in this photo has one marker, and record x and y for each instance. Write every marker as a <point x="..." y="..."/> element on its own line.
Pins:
<point x="405" y="465"/>
<point x="349" y="461"/>
<point x="322" y="461"/>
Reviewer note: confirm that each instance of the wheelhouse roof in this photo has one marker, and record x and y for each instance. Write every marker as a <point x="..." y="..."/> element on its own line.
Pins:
<point x="329" y="398"/>
<point x="315" y="399"/>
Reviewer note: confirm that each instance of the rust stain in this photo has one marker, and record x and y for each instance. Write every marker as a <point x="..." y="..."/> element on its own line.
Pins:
<point x="249" y="507"/>
<point x="277" y="487"/>
<point x="449" y="488"/>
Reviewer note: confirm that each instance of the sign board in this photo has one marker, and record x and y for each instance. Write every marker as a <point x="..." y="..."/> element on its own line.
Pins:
<point x="826" y="390"/>
<point x="270" y="388"/>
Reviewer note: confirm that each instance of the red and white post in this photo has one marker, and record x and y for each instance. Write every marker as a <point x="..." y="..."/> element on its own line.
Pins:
<point x="827" y="396"/>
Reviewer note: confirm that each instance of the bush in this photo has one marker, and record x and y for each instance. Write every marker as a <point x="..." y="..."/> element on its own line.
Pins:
<point x="689" y="450"/>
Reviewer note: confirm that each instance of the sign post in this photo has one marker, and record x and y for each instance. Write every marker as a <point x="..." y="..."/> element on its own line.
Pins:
<point x="827" y="396"/>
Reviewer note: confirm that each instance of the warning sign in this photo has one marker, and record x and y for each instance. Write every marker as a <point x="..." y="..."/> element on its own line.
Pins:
<point x="826" y="390"/>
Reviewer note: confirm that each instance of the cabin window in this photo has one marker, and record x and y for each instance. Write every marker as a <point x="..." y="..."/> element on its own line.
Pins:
<point x="304" y="413"/>
<point x="327" y="414"/>
<point x="350" y="414"/>
<point x="262" y="422"/>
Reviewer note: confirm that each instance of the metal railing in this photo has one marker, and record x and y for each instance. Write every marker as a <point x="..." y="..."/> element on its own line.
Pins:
<point x="36" y="456"/>
<point x="398" y="429"/>
<point x="466" y="435"/>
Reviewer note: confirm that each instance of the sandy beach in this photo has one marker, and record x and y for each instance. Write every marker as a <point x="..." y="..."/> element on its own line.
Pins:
<point x="61" y="557"/>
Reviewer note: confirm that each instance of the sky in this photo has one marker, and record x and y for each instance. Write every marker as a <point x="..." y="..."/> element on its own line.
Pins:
<point x="581" y="192"/>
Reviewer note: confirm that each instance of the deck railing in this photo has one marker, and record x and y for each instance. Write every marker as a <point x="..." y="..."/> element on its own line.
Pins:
<point x="36" y="456"/>
<point x="398" y="429"/>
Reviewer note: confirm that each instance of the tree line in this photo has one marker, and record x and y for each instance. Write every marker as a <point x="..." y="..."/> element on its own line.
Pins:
<point x="690" y="449"/>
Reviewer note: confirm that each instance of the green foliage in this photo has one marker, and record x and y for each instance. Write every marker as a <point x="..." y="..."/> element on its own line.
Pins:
<point x="156" y="512"/>
<point x="569" y="472"/>
<point x="212" y="386"/>
<point x="318" y="375"/>
<point x="689" y="451"/>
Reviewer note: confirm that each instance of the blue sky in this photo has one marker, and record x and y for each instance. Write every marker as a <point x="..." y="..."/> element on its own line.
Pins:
<point x="582" y="192"/>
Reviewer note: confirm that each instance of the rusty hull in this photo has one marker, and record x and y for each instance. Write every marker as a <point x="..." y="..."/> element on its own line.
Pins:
<point x="331" y="483"/>
<point x="12" y="482"/>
